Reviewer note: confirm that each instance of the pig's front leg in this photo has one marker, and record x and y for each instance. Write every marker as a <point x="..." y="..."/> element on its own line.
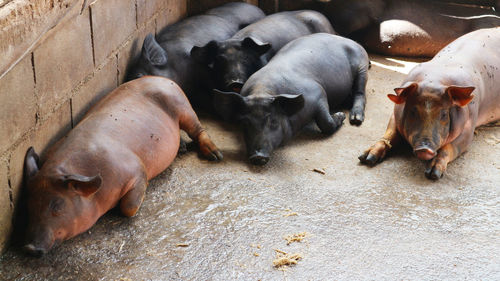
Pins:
<point x="132" y="200"/>
<point x="449" y="152"/>
<point x="326" y="122"/>
<point x="377" y="152"/>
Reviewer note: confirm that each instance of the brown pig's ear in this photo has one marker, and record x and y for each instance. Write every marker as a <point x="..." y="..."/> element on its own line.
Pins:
<point x="402" y="93"/>
<point x="30" y="164"/>
<point x="84" y="186"/>
<point x="460" y="96"/>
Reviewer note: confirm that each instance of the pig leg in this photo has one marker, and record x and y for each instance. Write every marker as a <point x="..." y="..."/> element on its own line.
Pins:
<point x="447" y="153"/>
<point x="378" y="151"/>
<point x="327" y="123"/>
<point x="132" y="200"/>
<point x="357" y="114"/>
<point x="188" y="122"/>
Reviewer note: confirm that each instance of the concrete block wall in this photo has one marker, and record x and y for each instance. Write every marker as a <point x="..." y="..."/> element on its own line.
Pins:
<point x="59" y="57"/>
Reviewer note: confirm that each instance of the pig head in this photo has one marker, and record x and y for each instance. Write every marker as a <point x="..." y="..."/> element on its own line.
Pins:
<point x="429" y="116"/>
<point x="58" y="205"/>
<point x="265" y="120"/>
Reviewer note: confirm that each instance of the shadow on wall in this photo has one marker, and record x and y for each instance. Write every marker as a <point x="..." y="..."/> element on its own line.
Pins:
<point x="404" y="27"/>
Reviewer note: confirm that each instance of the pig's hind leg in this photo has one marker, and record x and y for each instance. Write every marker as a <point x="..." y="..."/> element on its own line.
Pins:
<point x="132" y="200"/>
<point x="189" y="122"/>
<point x="357" y="113"/>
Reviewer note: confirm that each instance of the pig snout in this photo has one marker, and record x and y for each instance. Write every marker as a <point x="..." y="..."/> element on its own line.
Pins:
<point x="259" y="158"/>
<point x="34" y="251"/>
<point x="423" y="150"/>
<point x="235" y="85"/>
<point x="39" y="242"/>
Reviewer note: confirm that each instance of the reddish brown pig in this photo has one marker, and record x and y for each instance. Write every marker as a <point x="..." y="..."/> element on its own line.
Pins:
<point x="126" y="139"/>
<point x="442" y="101"/>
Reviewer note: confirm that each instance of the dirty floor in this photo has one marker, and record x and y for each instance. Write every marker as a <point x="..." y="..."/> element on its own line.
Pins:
<point x="225" y="221"/>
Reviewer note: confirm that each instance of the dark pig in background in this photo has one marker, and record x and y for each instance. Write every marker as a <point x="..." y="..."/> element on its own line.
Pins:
<point x="299" y="85"/>
<point x="169" y="54"/>
<point x="235" y="59"/>
<point x="126" y="139"/>
<point x="442" y="101"/>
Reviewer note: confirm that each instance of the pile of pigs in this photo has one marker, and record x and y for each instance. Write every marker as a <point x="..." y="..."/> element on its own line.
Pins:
<point x="272" y="75"/>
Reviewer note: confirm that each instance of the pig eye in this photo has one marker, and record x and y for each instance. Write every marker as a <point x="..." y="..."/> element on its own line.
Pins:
<point x="444" y="114"/>
<point x="56" y="206"/>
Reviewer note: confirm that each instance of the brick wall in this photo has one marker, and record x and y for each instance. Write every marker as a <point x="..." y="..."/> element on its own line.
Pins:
<point x="58" y="58"/>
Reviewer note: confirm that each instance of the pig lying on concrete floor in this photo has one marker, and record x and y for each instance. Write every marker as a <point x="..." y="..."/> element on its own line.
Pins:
<point x="442" y="101"/>
<point x="299" y="85"/>
<point x="126" y="139"/>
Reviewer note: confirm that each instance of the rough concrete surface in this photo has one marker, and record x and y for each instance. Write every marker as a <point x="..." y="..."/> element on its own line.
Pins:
<point x="223" y="221"/>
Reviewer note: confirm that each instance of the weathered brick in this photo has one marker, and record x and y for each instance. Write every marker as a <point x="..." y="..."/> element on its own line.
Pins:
<point x="147" y="8"/>
<point x="5" y="206"/>
<point x="22" y="24"/>
<point x="45" y="135"/>
<point x="62" y="61"/>
<point x="17" y="103"/>
<point x="132" y="50"/>
<point x="103" y="82"/>
<point x="112" y="22"/>
<point x="174" y="11"/>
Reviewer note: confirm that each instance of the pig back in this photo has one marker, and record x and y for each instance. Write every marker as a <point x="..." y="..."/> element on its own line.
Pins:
<point x="136" y="118"/>
<point x="474" y="61"/>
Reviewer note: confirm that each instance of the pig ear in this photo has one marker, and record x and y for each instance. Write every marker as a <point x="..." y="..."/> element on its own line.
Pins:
<point x="291" y="104"/>
<point x="402" y="93"/>
<point x="153" y="52"/>
<point x="460" y="96"/>
<point x="30" y="164"/>
<point x="84" y="186"/>
<point x="256" y="45"/>
<point x="227" y="104"/>
<point x="206" y="54"/>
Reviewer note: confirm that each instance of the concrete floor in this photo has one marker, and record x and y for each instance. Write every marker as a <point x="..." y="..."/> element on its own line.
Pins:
<point x="223" y="221"/>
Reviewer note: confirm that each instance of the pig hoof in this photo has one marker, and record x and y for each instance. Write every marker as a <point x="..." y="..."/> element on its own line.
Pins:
<point x="371" y="159"/>
<point x="433" y="173"/>
<point x="215" y="155"/>
<point x="356" y="118"/>
<point x="368" y="159"/>
<point x="339" y="116"/>
<point x="218" y="155"/>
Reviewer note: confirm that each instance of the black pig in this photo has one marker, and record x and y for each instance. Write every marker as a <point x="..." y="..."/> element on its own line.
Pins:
<point x="235" y="59"/>
<point x="300" y="84"/>
<point x="169" y="55"/>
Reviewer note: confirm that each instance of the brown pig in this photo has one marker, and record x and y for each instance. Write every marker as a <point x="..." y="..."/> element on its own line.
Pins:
<point x="126" y="139"/>
<point x="442" y="101"/>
